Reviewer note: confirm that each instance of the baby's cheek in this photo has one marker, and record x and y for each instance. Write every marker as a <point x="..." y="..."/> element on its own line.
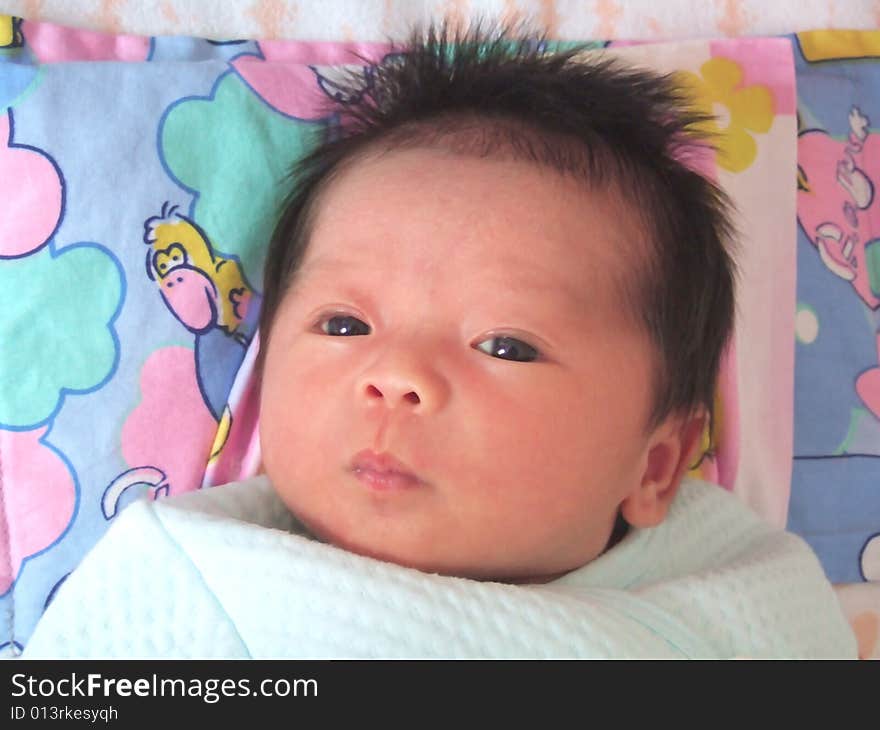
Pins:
<point x="525" y="441"/>
<point x="290" y="401"/>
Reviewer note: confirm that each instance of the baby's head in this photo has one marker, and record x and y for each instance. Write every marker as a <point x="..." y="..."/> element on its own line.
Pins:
<point x="494" y="309"/>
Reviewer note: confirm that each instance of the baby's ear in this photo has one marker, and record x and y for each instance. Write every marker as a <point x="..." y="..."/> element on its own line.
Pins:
<point x="671" y="449"/>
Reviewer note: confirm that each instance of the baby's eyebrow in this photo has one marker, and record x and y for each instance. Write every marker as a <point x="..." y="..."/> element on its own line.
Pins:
<point x="337" y="267"/>
<point x="322" y="263"/>
<point x="333" y="271"/>
<point x="566" y="292"/>
<point x="322" y="269"/>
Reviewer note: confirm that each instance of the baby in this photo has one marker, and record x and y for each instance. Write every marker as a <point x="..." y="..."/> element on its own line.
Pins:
<point x="494" y="309"/>
<point x="493" y="316"/>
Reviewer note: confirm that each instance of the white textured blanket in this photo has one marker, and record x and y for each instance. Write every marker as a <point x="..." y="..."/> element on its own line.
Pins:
<point x="227" y="572"/>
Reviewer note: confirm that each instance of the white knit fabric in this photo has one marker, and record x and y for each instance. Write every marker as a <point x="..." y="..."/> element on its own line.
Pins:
<point x="224" y="573"/>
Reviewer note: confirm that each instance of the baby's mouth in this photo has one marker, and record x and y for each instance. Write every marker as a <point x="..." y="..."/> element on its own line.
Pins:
<point x="383" y="472"/>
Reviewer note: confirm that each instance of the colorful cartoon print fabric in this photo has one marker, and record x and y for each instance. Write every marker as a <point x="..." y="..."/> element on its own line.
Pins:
<point x="835" y="496"/>
<point x="138" y="196"/>
<point x="141" y="178"/>
<point x="749" y="85"/>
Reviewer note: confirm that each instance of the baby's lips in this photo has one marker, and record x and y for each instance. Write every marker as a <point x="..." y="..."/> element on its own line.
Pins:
<point x="382" y="464"/>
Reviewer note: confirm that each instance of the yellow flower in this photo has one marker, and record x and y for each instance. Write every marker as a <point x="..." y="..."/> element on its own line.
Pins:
<point x="701" y="468"/>
<point x="737" y="111"/>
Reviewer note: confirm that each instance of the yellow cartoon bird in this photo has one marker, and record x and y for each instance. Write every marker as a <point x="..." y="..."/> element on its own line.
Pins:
<point x="202" y="289"/>
<point x="10" y="32"/>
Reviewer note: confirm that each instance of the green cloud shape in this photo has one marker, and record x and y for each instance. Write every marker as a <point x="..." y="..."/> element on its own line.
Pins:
<point x="56" y="330"/>
<point x="235" y="151"/>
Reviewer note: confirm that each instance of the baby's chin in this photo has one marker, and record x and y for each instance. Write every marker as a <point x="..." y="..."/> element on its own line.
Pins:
<point x="444" y="567"/>
<point x="424" y="547"/>
<point x="426" y="561"/>
<point x="405" y="555"/>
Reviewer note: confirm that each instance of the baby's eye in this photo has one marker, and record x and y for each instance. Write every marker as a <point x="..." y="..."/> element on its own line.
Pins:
<point x="344" y="325"/>
<point x="508" y="348"/>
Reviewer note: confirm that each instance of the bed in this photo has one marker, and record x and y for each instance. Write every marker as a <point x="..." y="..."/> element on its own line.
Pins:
<point x="102" y="370"/>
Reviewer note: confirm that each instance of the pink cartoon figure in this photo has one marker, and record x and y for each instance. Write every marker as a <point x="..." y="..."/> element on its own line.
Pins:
<point x="836" y="203"/>
<point x="202" y="289"/>
<point x="837" y="210"/>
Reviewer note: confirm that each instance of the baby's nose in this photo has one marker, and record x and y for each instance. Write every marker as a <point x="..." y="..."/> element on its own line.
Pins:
<point x="398" y="383"/>
<point x="392" y="393"/>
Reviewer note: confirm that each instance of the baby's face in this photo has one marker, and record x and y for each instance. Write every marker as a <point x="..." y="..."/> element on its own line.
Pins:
<point x="452" y="384"/>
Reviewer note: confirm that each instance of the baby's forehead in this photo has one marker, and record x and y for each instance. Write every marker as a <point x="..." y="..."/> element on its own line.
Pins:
<point x="473" y="235"/>
<point x="432" y="206"/>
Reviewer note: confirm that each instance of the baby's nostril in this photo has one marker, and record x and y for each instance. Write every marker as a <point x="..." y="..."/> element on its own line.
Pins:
<point x="411" y="397"/>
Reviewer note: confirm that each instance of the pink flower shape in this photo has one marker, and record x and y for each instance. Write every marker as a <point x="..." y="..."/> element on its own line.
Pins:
<point x="29" y="212"/>
<point x="38" y="495"/>
<point x="171" y="429"/>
